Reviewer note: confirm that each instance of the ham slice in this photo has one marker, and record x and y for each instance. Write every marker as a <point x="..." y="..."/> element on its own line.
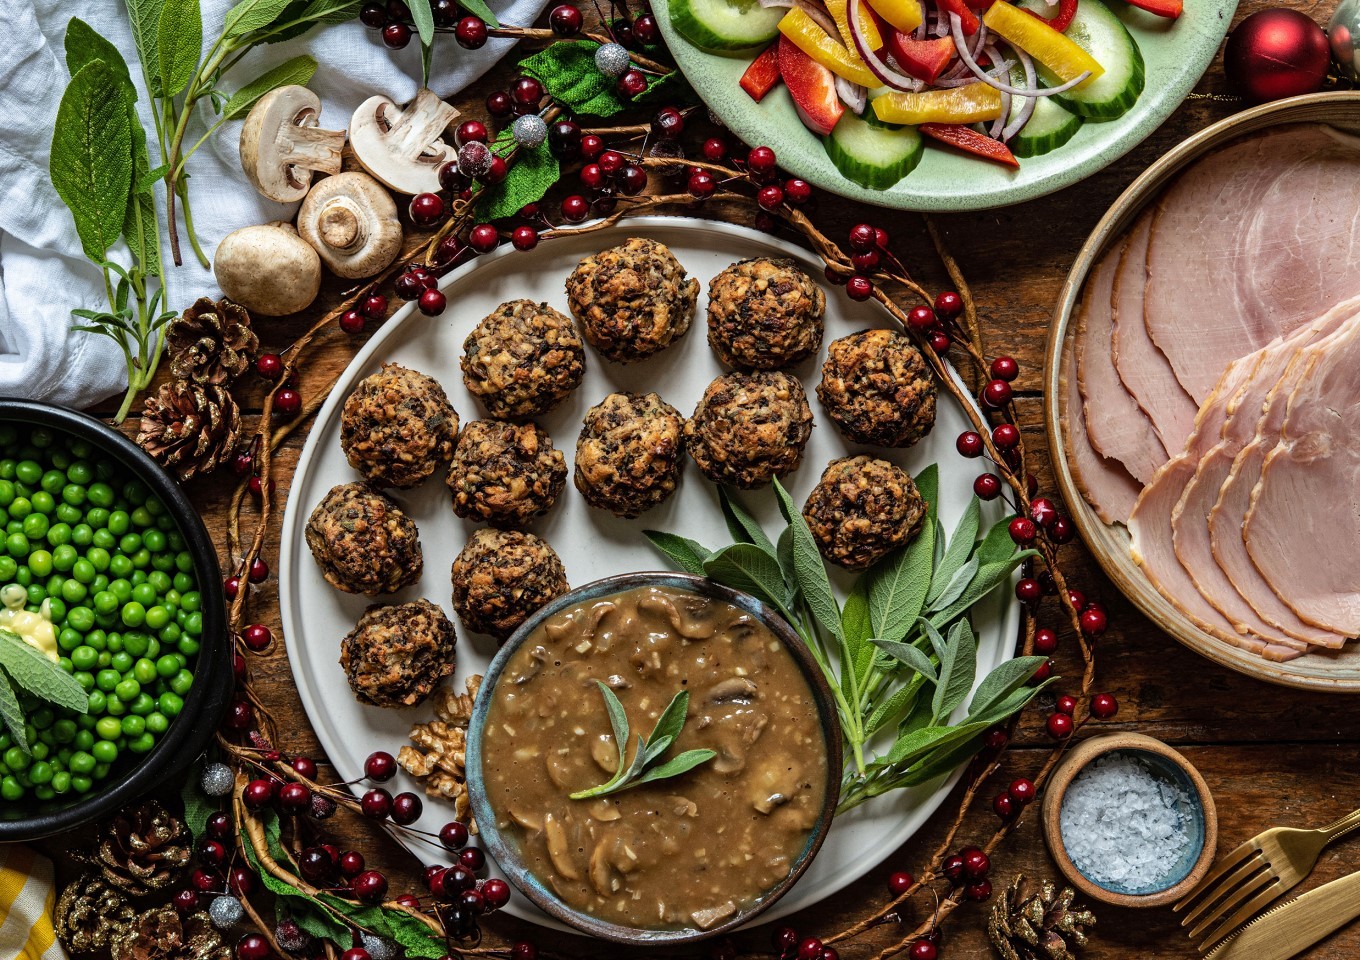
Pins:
<point x="1117" y="427"/>
<point x="1277" y="217"/>
<point x="1143" y="368"/>
<point x="1105" y="484"/>
<point x="1303" y="527"/>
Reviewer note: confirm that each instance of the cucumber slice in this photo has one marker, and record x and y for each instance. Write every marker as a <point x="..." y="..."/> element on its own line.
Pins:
<point x="725" y="25"/>
<point x="871" y="155"/>
<point x="1103" y="35"/>
<point x="1049" y="127"/>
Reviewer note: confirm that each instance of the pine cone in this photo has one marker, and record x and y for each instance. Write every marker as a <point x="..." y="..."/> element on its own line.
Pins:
<point x="160" y="934"/>
<point x="144" y="848"/>
<point x="90" y="914"/>
<point x="211" y="343"/>
<point x="1033" y="921"/>
<point x="190" y="428"/>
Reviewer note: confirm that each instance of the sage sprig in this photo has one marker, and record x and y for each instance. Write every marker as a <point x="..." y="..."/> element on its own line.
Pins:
<point x="26" y="670"/>
<point x="644" y="767"/>
<point x="900" y="654"/>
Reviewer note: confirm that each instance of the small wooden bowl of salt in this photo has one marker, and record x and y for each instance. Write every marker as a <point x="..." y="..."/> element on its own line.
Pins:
<point x="1129" y="821"/>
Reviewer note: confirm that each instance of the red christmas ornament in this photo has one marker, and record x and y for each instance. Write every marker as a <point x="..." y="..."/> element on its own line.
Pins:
<point x="1275" y="54"/>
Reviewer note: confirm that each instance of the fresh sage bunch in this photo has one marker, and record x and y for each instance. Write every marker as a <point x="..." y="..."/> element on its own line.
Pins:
<point x="644" y="768"/>
<point x="900" y="654"/>
<point x="24" y="668"/>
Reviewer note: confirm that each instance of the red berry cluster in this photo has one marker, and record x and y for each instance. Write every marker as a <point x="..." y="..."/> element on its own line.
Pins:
<point x="934" y="322"/>
<point x="969" y="868"/>
<point x="1015" y="798"/>
<point x="789" y="946"/>
<point x="608" y="174"/>
<point x="397" y="26"/>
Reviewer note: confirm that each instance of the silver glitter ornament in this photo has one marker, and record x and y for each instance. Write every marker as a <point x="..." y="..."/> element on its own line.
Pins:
<point x="291" y="937"/>
<point x="379" y="948"/>
<point x="611" y="59"/>
<point x="474" y="159"/>
<point x="217" y="780"/>
<point x="530" y="131"/>
<point x="674" y="156"/>
<point x="225" y="912"/>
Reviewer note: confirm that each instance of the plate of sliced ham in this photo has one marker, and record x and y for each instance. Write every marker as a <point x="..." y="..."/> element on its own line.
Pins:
<point x="1202" y="396"/>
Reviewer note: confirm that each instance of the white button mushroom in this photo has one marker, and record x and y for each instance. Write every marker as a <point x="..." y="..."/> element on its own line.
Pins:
<point x="282" y="146"/>
<point x="351" y="221"/>
<point x="268" y="269"/>
<point x="403" y="148"/>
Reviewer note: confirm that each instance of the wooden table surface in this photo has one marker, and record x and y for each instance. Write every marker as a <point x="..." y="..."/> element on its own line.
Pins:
<point x="1271" y="755"/>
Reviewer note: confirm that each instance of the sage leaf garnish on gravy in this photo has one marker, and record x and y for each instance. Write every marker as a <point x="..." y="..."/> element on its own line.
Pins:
<point x="900" y="654"/>
<point x="644" y="768"/>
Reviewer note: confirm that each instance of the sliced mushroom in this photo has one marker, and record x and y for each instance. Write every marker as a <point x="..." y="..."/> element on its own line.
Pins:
<point x="268" y="269"/>
<point x="696" y="628"/>
<point x="403" y="148"/>
<point x="282" y="144"/>
<point x="605" y="753"/>
<point x="559" y="848"/>
<point x="732" y="690"/>
<point x="352" y="222"/>
<point x="603" y="876"/>
<point x="710" y="916"/>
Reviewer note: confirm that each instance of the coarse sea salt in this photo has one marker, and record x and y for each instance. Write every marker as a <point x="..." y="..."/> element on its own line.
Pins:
<point x="1124" y="825"/>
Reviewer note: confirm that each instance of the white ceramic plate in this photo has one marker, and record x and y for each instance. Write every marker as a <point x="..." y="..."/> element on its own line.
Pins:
<point x="592" y="544"/>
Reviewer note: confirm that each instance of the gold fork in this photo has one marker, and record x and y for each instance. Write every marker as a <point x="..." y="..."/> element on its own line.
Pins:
<point x="1254" y="874"/>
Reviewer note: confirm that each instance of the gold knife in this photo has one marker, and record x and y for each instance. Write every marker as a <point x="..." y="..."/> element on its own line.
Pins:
<point x="1294" y="926"/>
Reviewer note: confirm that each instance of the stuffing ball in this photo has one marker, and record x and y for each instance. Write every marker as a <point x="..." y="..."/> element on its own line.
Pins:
<point x="501" y="578"/>
<point x="628" y="458"/>
<point x="632" y="300"/>
<point x="396" y="655"/>
<point x="764" y="314"/>
<point x="505" y="473"/>
<point x="397" y="427"/>
<point x="363" y="542"/>
<point x="877" y="388"/>
<point x="862" y="509"/>
<point x="523" y="359"/>
<point x="750" y="428"/>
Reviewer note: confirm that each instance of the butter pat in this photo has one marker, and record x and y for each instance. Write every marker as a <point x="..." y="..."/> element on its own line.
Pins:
<point x="35" y="629"/>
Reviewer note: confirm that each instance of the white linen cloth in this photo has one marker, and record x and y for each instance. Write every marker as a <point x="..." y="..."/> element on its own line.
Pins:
<point x="44" y="275"/>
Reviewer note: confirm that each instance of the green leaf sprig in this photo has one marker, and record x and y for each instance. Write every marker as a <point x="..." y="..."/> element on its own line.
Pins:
<point x="900" y="654"/>
<point x="644" y="768"/>
<point x="26" y="670"/>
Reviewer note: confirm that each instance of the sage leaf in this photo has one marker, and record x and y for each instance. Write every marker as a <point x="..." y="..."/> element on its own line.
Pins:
<point x="1009" y="705"/>
<point x="13" y="716"/>
<point x="784" y="551"/>
<point x="743" y="527"/>
<point x="813" y="582"/>
<point x="672" y="719"/>
<point x="684" y="553"/>
<point x="997" y="545"/>
<point x="298" y="70"/>
<point x="301" y="17"/>
<point x="898" y="584"/>
<point x="179" y="40"/>
<point x="945" y="758"/>
<point x="677" y="765"/>
<point x="746" y="567"/>
<point x="959" y="583"/>
<point x="618" y="722"/>
<point x="423" y="16"/>
<point x="84" y="45"/>
<point x="30" y="668"/>
<point x="937" y="642"/>
<point x="662" y="737"/>
<point x="856" y="621"/>
<point x="960" y="548"/>
<point x="145" y="19"/>
<point x="481" y="11"/>
<point x="911" y="656"/>
<point x="911" y="747"/>
<point x="91" y="161"/>
<point x="989" y="577"/>
<point x="141" y="228"/>
<point x="1001" y="682"/>
<point x="903" y="699"/>
<point x="655" y="748"/>
<point x="958" y="670"/>
<point x="251" y="15"/>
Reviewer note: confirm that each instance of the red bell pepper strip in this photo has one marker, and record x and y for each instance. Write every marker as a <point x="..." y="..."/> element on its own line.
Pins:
<point x="1067" y="9"/>
<point x="762" y="75"/>
<point x="969" y="140"/>
<point x="923" y="59"/>
<point x="1171" y="9"/>
<point x="967" y="18"/>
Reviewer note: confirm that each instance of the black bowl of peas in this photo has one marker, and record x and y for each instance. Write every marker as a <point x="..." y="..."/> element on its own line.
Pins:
<point x="106" y="568"/>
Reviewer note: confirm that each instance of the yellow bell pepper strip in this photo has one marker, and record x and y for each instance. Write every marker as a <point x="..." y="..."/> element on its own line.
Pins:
<point x="807" y="36"/>
<point x="905" y="15"/>
<point x="1059" y="53"/>
<point x="867" y="27"/>
<point x="968" y="104"/>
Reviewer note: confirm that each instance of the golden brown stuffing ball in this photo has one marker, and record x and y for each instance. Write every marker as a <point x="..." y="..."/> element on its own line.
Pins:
<point x="764" y="314"/>
<point x="877" y="389"/>
<point x="862" y="509"/>
<point x="363" y="542"/>
<point x="505" y="473"/>
<point x="750" y="428"/>
<point x="501" y="578"/>
<point x="523" y="359"/>
<point x="397" y="427"/>
<point x="628" y="458"/>
<point x="633" y="300"/>
<point x="396" y="655"/>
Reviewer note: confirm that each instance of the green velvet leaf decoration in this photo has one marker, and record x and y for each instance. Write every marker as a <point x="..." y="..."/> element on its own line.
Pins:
<point x="567" y="71"/>
<point x="531" y="175"/>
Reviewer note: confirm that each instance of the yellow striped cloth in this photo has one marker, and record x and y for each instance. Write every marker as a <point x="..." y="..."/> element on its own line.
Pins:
<point x="27" y="895"/>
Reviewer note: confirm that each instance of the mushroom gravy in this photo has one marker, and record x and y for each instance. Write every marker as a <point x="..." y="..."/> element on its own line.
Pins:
<point x="686" y="852"/>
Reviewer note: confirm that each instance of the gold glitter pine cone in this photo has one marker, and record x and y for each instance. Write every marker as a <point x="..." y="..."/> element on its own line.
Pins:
<point x="143" y="849"/>
<point x="1035" y="921"/>
<point x="161" y="934"/>
<point x="190" y="428"/>
<point x="212" y="343"/>
<point x="90" y="914"/>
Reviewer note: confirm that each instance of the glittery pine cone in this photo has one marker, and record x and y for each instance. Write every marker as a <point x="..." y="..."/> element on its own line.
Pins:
<point x="161" y="934"/>
<point x="1036" y="921"/>
<point x="190" y="428"/>
<point x="143" y="849"/>
<point x="211" y="343"/>
<point x="90" y="913"/>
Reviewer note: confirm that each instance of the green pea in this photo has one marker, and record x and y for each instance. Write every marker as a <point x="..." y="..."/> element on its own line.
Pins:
<point x="142" y="744"/>
<point x="136" y="643"/>
<point x="122" y="660"/>
<point x="180" y="684"/>
<point x="167" y="666"/>
<point x="37" y="593"/>
<point x="114" y="705"/>
<point x="29" y="472"/>
<point x="160" y="582"/>
<point x="16" y="759"/>
<point x="183" y="582"/>
<point x="171" y="633"/>
<point x="98" y="558"/>
<point x="98" y="701"/>
<point x="101" y="495"/>
<point x="52" y="481"/>
<point x="84" y="571"/>
<point x="23" y="576"/>
<point x="70" y="640"/>
<point x="121" y="589"/>
<point x="144" y="671"/>
<point x="130" y="543"/>
<point x="144" y="593"/>
<point x="97" y="639"/>
<point x="64" y="557"/>
<point x="141" y="559"/>
<point x="107" y="679"/>
<point x="119" y="523"/>
<point x="157" y="618"/>
<point x="188" y="645"/>
<point x="16" y="544"/>
<point x="100" y="582"/>
<point x="154" y="540"/>
<point x="64" y="730"/>
<point x="127" y="689"/>
<point x="192" y="601"/>
<point x="134" y="614"/>
<point x="137" y="576"/>
<point x="61" y="782"/>
<point x="107" y="728"/>
<point x="133" y="725"/>
<point x="7" y="493"/>
<point x="10" y="789"/>
<point x="143" y="704"/>
<point x="8" y="568"/>
<point x="59" y="534"/>
<point x="157" y="723"/>
<point x="82" y="534"/>
<point x="43" y="503"/>
<point x="36" y="526"/>
<point x="104" y="540"/>
<point x="184" y="563"/>
<point x="81" y="618"/>
<point x="40" y="562"/>
<point x="171" y="599"/>
<point x="68" y="514"/>
<point x="73" y="591"/>
<point x="40" y="772"/>
<point x="82" y="784"/>
<point x="74" y="494"/>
